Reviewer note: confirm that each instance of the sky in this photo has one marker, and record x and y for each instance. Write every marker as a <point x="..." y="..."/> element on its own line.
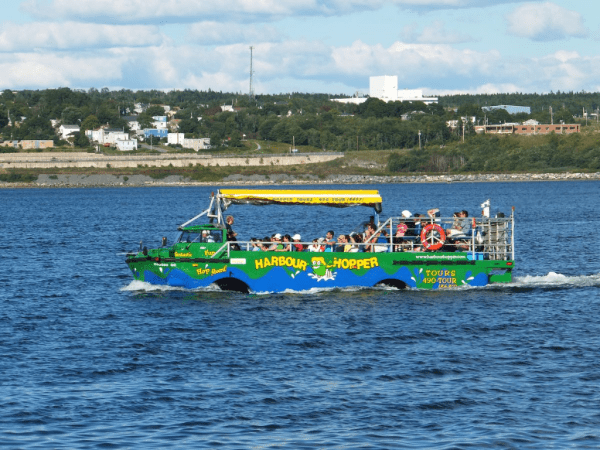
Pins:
<point x="312" y="46"/>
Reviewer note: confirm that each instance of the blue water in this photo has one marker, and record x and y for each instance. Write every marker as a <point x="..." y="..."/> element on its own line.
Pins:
<point x="90" y="359"/>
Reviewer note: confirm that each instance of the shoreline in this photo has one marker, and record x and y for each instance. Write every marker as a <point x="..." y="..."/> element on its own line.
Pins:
<point x="104" y="180"/>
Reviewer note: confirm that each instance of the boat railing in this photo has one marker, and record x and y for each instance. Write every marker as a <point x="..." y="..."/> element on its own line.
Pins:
<point x="485" y="238"/>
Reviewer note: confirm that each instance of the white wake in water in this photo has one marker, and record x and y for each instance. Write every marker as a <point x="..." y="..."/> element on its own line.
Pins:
<point x="552" y="279"/>
<point x="137" y="285"/>
<point x="142" y="286"/>
<point x="556" y="279"/>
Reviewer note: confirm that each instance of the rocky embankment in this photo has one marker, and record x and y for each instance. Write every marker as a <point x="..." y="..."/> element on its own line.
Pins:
<point x="79" y="181"/>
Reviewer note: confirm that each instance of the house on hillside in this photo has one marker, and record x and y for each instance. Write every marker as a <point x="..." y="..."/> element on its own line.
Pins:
<point x="67" y="130"/>
<point x="132" y="122"/>
<point x="196" y="144"/>
<point x="139" y="108"/>
<point x="159" y="121"/>
<point x="96" y="135"/>
<point x="112" y="135"/>
<point x="106" y="135"/>
<point x="126" y="145"/>
<point x="453" y="124"/>
<point x="156" y="132"/>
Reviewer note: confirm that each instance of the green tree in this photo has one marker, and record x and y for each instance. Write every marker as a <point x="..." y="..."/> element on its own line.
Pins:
<point x="90" y="123"/>
<point x="7" y="95"/>
<point x="82" y="140"/>
<point x="155" y="110"/>
<point x="235" y="140"/>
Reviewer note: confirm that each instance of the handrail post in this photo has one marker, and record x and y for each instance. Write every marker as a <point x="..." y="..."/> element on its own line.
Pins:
<point x="512" y="233"/>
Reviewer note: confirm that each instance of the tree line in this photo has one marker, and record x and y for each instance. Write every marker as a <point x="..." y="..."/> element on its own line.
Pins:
<point x="303" y="119"/>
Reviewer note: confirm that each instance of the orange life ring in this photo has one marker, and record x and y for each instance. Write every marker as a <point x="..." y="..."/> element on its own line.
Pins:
<point x="430" y="239"/>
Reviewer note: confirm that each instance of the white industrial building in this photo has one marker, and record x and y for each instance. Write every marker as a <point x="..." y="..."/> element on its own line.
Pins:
<point x="386" y="88"/>
<point x="175" y="138"/>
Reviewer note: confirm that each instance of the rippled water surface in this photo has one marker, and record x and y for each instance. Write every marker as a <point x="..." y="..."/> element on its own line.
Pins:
<point x="89" y="358"/>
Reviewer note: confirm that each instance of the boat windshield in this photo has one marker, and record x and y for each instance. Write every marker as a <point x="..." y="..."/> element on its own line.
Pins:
<point x="189" y="237"/>
<point x="203" y="236"/>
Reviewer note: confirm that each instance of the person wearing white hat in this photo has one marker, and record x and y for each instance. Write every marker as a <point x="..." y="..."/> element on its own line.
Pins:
<point x="296" y="239"/>
<point x="406" y="214"/>
<point x="276" y="242"/>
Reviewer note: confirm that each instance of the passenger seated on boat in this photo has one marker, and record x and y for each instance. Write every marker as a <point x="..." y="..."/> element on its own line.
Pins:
<point x="353" y="243"/>
<point x="398" y="239"/>
<point x="286" y="244"/>
<point x="409" y="222"/>
<point x="383" y="240"/>
<point x="342" y="241"/>
<point x="368" y="237"/>
<point x="266" y="244"/>
<point x="321" y="242"/>
<point x="461" y="226"/>
<point x="315" y="246"/>
<point x="377" y="241"/>
<point x="416" y="231"/>
<point x="276" y="242"/>
<point x="296" y="243"/>
<point x="255" y="245"/>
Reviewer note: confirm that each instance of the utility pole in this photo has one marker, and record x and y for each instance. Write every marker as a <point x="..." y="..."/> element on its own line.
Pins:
<point x="419" y="139"/>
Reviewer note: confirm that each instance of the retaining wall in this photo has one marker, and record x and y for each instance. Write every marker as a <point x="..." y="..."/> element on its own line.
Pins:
<point x="65" y="159"/>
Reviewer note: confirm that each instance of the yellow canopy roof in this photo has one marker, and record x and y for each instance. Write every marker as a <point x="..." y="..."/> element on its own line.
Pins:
<point x="339" y="198"/>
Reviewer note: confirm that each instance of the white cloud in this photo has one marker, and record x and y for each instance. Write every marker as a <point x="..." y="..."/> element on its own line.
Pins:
<point x="209" y="33"/>
<point x="567" y="71"/>
<point x="298" y="66"/>
<point x="411" y="61"/>
<point x="170" y="11"/>
<point x="435" y="33"/>
<point x="545" y="22"/>
<point x="185" y="11"/>
<point x="37" y="70"/>
<point x="74" y="35"/>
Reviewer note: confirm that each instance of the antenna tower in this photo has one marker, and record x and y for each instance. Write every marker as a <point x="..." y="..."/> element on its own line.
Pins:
<point x="251" y="93"/>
